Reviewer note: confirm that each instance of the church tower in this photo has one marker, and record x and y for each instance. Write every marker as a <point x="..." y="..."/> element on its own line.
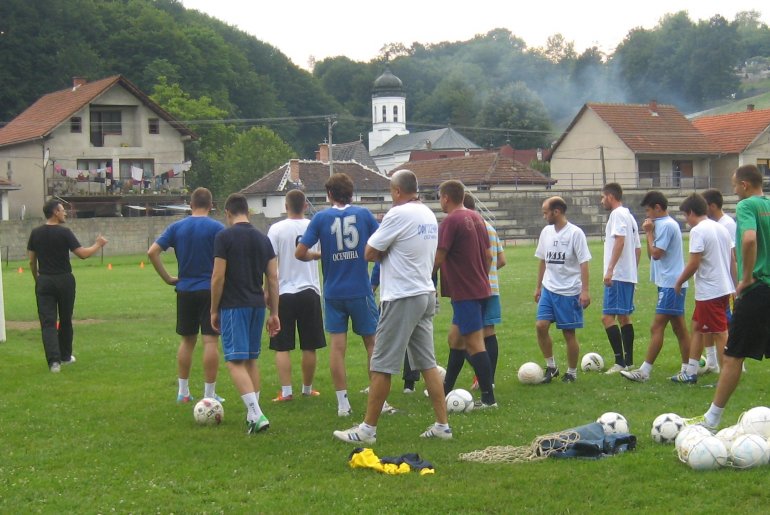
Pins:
<point x="388" y="109"/>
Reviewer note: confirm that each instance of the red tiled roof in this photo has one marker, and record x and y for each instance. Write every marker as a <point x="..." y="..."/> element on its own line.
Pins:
<point x="314" y="175"/>
<point x="662" y="131"/>
<point x="53" y="109"/>
<point x="489" y="168"/>
<point x="734" y="132"/>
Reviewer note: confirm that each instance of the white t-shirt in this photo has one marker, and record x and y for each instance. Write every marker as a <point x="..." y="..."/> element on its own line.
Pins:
<point x="622" y="223"/>
<point x="729" y="224"/>
<point x="408" y="235"/>
<point x="294" y="275"/>
<point x="712" y="241"/>
<point x="563" y="252"/>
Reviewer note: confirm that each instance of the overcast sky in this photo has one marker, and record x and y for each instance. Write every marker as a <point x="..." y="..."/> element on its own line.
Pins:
<point x="301" y="29"/>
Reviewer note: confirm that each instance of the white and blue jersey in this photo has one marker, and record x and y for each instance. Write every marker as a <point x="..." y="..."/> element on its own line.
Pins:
<point x="342" y="233"/>
<point x="668" y="237"/>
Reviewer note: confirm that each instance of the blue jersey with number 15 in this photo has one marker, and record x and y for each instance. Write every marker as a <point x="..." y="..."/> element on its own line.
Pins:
<point x="343" y="233"/>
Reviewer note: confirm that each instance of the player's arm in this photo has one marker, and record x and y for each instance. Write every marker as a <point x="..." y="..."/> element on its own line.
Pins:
<point x="488" y="258"/>
<point x="372" y="254"/>
<point x="689" y="270"/>
<point x="501" y="262"/>
<point x="733" y="267"/>
<point x="33" y="264"/>
<point x="439" y="260"/>
<point x="617" y="250"/>
<point x="303" y="253"/>
<point x="653" y="252"/>
<point x="273" y="322"/>
<point x="585" y="297"/>
<point x="217" y="286"/>
<point x="153" y="254"/>
<point x="749" y="255"/>
<point x="540" y="275"/>
<point x="87" y="252"/>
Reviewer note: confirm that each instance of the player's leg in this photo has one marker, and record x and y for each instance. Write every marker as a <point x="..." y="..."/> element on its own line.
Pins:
<point x="184" y="356"/>
<point x="66" y="306"/>
<point x="471" y="328"/>
<point x="336" y="324"/>
<point x="610" y="310"/>
<point x="188" y="316"/>
<point x="311" y="337"/>
<point x="210" y="340"/>
<point x="546" y="315"/>
<point x="45" y="296"/>
<point x="283" y="343"/>
<point x="573" y="354"/>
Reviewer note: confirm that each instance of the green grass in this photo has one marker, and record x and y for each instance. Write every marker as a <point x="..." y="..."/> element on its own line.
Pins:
<point x="106" y="435"/>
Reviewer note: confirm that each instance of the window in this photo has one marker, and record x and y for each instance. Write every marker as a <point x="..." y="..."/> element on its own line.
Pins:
<point x="764" y="167"/>
<point x="264" y="202"/>
<point x="649" y="172"/>
<point x="76" y="124"/>
<point x="395" y="113"/>
<point x="153" y="125"/>
<point x="384" y="114"/>
<point x="146" y="165"/>
<point x="104" y="123"/>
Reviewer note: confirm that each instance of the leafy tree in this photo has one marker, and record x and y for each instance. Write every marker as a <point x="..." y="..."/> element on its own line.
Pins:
<point x="253" y="153"/>
<point x="518" y="109"/>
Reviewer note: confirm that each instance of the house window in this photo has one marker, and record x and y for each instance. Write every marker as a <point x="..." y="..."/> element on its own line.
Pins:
<point x="129" y="169"/>
<point x="104" y="123"/>
<point x="264" y="202"/>
<point x="764" y="167"/>
<point x="395" y="113"/>
<point x="153" y="125"/>
<point x="76" y="124"/>
<point x="384" y="114"/>
<point x="649" y="172"/>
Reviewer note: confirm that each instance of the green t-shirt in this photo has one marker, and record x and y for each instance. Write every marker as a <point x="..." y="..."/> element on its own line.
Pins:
<point x="753" y="213"/>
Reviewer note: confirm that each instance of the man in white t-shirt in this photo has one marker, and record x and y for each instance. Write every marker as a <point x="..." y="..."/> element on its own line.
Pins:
<point x="711" y="261"/>
<point x="405" y="244"/>
<point x="622" y="249"/>
<point x="562" y="286"/>
<point x="300" y="299"/>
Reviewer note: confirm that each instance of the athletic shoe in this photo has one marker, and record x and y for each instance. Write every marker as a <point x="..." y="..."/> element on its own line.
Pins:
<point x="614" y="369"/>
<point x="475" y="385"/>
<point x="257" y="426"/>
<point x="184" y="399"/>
<point x="683" y="378"/>
<point x="71" y="361"/>
<point x="219" y="399"/>
<point x="700" y="421"/>
<point x="702" y="371"/>
<point x="478" y="405"/>
<point x="281" y="398"/>
<point x="408" y="391"/>
<point x="365" y="391"/>
<point x="313" y="393"/>
<point x="387" y="408"/>
<point x="344" y="412"/>
<point x="550" y="374"/>
<point x="425" y="392"/>
<point x="569" y="378"/>
<point x="434" y="432"/>
<point x="635" y="375"/>
<point x="355" y="435"/>
<point x="55" y="367"/>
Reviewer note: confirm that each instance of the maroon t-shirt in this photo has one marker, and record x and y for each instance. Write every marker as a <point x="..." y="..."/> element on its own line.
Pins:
<point x="463" y="235"/>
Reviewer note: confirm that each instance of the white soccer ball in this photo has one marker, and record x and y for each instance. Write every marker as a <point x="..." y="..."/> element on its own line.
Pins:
<point x="756" y="421"/>
<point x="708" y="453"/>
<point x="666" y="427"/>
<point x="749" y="451"/>
<point x="729" y="434"/>
<point x="592" y="362"/>
<point x="208" y="412"/>
<point x="613" y="423"/>
<point x="530" y="373"/>
<point x="459" y="401"/>
<point x="687" y="438"/>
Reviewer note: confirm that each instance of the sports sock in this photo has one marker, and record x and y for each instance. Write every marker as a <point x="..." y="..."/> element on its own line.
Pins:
<point x="692" y="367"/>
<point x="646" y="369"/>
<point x="616" y="342"/>
<point x="453" y="367"/>
<point x="253" y="411"/>
<point x="572" y="371"/>
<point x="550" y="362"/>
<point x="366" y="428"/>
<point x="483" y="368"/>
<point x="711" y="356"/>
<point x="683" y="368"/>
<point x="184" y="387"/>
<point x="409" y="385"/>
<point x="286" y="391"/>
<point x="307" y="389"/>
<point x="342" y="400"/>
<point x="441" y="427"/>
<point x="627" y="335"/>
<point x="209" y="390"/>
<point x="714" y="415"/>
<point x="490" y="343"/>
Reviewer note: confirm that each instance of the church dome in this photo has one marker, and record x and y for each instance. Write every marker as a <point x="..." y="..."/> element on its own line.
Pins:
<point x="388" y="85"/>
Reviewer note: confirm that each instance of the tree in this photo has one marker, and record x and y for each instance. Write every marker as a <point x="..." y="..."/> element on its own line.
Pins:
<point x="519" y="110"/>
<point x="253" y="153"/>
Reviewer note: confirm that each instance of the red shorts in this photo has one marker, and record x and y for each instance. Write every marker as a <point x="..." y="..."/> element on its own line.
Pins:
<point x="710" y="316"/>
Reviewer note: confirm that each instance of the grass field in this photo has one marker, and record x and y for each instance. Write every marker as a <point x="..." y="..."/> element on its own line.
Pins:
<point x="106" y="435"/>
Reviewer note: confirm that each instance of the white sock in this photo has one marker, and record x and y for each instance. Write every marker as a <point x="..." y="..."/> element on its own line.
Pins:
<point x="342" y="400"/>
<point x="714" y="415"/>
<point x="645" y="369"/>
<point x="692" y="367"/>
<point x="572" y="371"/>
<point x="209" y="390"/>
<point x="307" y="389"/>
<point x="366" y="428"/>
<point x="442" y="427"/>
<point x="550" y="362"/>
<point x="711" y="356"/>
<point x="253" y="411"/>
<point x="286" y="391"/>
<point x="184" y="387"/>
<point x="683" y="368"/>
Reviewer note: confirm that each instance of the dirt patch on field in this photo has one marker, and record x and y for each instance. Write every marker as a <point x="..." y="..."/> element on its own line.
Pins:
<point x="29" y="325"/>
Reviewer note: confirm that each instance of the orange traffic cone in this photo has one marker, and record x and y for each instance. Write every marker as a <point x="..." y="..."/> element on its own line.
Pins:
<point x="21" y="270"/>
<point x="109" y="266"/>
<point x="141" y="264"/>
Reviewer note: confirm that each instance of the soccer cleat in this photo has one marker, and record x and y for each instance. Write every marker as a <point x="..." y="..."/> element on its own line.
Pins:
<point x="313" y="393"/>
<point x="257" y="426"/>
<point x="365" y="391"/>
<point x="281" y="398"/>
<point x="355" y="435"/>
<point x="344" y="412"/>
<point x="55" y="367"/>
<point x="702" y="371"/>
<point x="700" y="421"/>
<point x="184" y="399"/>
<point x="435" y="432"/>
<point x="614" y="369"/>
<point x="569" y="378"/>
<point x="71" y="360"/>
<point x="550" y="374"/>
<point x="388" y="409"/>
<point x="425" y="392"/>
<point x="684" y="378"/>
<point x="635" y="375"/>
<point x="478" y="405"/>
<point x="475" y="385"/>
<point x="219" y="399"/>
<point x="408" y="391"/>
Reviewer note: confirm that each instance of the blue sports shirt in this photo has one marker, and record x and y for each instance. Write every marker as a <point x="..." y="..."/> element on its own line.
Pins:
<point x="193" y="241"/>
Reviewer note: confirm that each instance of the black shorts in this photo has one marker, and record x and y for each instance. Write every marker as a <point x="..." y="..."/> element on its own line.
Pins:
<point x="193" y="313"/>
<point x="749" y="335"/>
<point x="303" y="311"/>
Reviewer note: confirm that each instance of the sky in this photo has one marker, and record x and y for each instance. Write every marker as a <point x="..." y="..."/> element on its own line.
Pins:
<point x="358" y="30"/>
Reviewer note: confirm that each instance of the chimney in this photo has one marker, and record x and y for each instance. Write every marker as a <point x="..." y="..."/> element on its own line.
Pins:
<point x="750" y="107"/>
<point x="77" y="82"/>
<point x="323" y="152"/>
<point x="294" y="170"/>
<point x="654" y="107"/>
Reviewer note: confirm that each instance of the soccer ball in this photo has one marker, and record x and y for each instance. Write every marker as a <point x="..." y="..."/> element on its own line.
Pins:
<point x="756" y="421"/>
<point x="592" y="362"/>
<point x="749" y="451"/>
<point x="666" y="427"/>
<point x="530" y="373"/>
<point x="208" y="412"/>
<point x="708" y="453"/>
<point x="687" y="438"/>
<point x="459" y="401"/>
<point x="613" y="423"/>
<point x="729" y="434"/>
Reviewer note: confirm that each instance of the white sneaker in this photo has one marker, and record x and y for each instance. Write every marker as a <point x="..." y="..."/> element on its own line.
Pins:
<point x="435" y="432"/>
<point x="387" y="408"/>
<point x="425" y="392"/>
<point x="614" y="369"/>
<point x="365" y="391"/>
<point x="55" y="367"/>
<point x="71" y="361"/>
<point x="702" y="371"/>
<point x="635" y="375"/>
<point x="355" y="435"/>
<point x="344" y="412"/>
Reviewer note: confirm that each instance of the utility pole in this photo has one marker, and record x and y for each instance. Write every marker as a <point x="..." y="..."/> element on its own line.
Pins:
<point x="331" y="120"/>
<point x="604" y="172"/>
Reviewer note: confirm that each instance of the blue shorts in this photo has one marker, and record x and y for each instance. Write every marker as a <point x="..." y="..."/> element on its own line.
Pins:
<point x="241" y="330"/>
<point x="493" y="311"/>
<point x="565" y="310"/>
<point x="468" y="315"/>
<point x="362" y="311"/>
<point x="669" y="303"/>
<point x="619" y="298"/>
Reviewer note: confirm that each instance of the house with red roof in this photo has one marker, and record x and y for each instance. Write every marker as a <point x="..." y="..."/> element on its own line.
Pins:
<point x="95" y="139"/>
<point x="739" y="138"/>
<point x="636" y="145"/>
